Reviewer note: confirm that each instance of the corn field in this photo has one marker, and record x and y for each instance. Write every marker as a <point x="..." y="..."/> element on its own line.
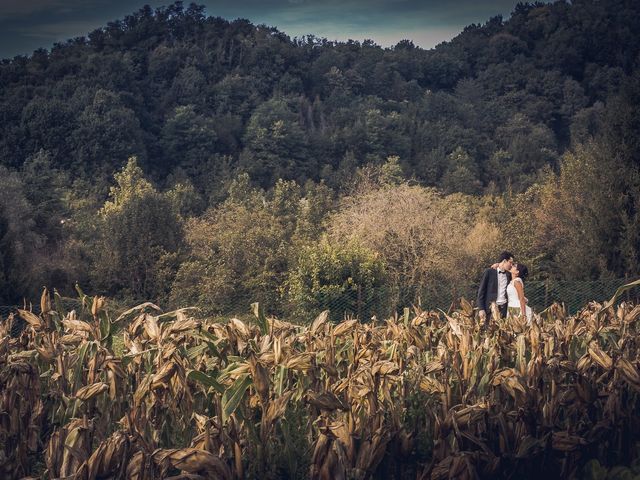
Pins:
<point x="426" y="395"/>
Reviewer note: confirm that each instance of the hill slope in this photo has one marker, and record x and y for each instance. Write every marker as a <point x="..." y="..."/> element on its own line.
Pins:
<point x="202" y="97"/>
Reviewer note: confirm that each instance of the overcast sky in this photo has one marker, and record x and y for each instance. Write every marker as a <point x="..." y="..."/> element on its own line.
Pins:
<point x="29" y="24"/>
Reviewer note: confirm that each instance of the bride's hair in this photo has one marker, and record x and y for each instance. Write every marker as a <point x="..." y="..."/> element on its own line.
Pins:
<point x="524" y="271"/>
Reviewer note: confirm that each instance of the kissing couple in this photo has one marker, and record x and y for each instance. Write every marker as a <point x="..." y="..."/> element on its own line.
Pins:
<point x="503" y="284"/>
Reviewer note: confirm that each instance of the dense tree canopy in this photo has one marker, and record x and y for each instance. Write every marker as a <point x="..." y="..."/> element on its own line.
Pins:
<point x="179" y="89"/>
<point x="247" y="141"/>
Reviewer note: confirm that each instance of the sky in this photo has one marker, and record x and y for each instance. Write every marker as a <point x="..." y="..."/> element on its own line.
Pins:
<point x="26" y="25"/>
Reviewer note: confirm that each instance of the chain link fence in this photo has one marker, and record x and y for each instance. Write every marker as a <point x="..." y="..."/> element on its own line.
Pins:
<point x="541" y="294"/>
<point x="67" y="303"/>
<point x="382" y="303"/>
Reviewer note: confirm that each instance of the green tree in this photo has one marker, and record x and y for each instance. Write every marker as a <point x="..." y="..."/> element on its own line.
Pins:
<point x="188" y="85"/>
<point x="241" y="250"/>
<point x="622" y="121"/>
<point x="275" y="145"/>
<point x="237" y="256"/>
<point x="188" y="141"/>
<point x="462" y="173"/>
<point x="107" y="133"/>
<point x="18" y="240"/>
<point x="47" y="124"/>
<point x="345" y="279"/>
<point x="315" y="206"/>
<point x="527" y="148"/>
<point x="578" y="216"/>
<point x="139" y="236"/>
<point x="46" y="189"/>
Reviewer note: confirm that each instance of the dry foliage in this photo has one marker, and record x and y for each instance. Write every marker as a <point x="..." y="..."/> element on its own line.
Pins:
<point x="424" y="237"/>
<point x="426" y="395"/>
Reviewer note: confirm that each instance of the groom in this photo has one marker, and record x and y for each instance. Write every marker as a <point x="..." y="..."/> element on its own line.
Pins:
<point x="493" y="287"/>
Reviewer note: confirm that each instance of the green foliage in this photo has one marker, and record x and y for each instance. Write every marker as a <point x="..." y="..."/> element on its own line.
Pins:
<point x="45" y="187"/>
<point x="238" y="252"/>
<point x="391" y="171"/>
<point x="462" y="174"/>
<point x="18" y="239"/>
<point x="527" y="148"/>
<point x="185" y="199"/>
<point x="188" y="140"/>
<point x="537" y="113"/>
<point x="276" y="146"/>
<point x="138" y="238"/>
<point x="580" y="212"/>
<point x="317" y="203"/>
<point x="348" y="276"/>
<point x="107" y="133"/>
<point x="242" y="249"/>
<point x="178" y="89"/>
<point x="576" y="224"/>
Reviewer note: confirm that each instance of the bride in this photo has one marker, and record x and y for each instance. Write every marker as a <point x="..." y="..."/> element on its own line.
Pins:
<point x="516" y="301"/>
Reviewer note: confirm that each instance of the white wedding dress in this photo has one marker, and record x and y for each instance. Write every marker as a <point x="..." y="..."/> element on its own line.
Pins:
<point x="514" y="302"/>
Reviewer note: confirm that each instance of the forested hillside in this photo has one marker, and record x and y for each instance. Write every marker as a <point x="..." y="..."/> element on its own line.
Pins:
<point x="184" y="158"/>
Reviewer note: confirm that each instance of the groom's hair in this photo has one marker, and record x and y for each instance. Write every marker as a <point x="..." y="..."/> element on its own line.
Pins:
<point x="505" y="256"/>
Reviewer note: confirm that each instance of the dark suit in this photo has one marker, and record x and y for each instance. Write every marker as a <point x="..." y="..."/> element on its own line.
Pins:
<point x="488" y="291"/>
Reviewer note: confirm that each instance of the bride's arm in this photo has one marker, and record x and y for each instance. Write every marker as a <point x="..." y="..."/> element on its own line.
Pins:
<point x="519" y="285"/>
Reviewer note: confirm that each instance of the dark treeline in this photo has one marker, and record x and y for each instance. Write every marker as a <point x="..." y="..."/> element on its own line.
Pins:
<point x="530" y="122"/>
